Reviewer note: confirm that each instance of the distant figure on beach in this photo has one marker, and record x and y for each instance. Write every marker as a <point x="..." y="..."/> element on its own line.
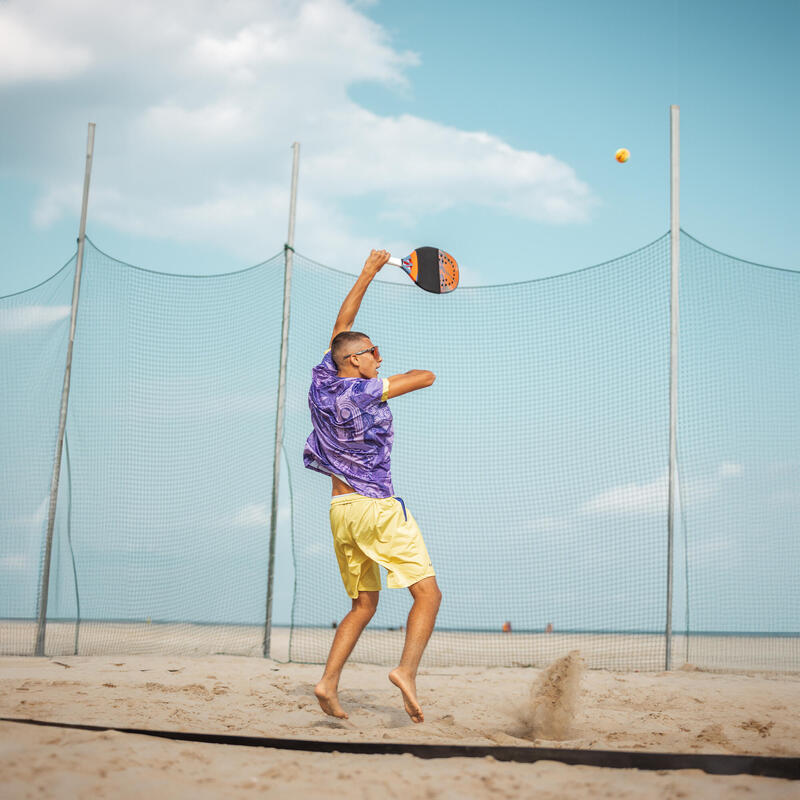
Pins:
<point x="352" y="443"/>
<point x="549" y="628"/>
<point x="506" y="627"/>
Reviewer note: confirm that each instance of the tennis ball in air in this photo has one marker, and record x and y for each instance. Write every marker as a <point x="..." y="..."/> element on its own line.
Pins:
<point x="622" y="155"/>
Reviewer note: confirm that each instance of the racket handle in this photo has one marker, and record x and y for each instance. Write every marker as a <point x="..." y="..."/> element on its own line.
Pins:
<point x="395" y="262"/>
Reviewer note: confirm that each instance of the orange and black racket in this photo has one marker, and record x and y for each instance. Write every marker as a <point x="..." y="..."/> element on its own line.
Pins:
<point x="431" y="269"/>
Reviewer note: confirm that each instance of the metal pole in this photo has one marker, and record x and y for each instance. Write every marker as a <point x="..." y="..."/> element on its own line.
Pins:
<point x="51" y="518"/>
<point x="276" y="463"/>
<point x="674" y="250"/>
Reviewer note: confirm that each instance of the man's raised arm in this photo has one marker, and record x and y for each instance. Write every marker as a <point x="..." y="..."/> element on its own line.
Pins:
<point x="351" y="304"/>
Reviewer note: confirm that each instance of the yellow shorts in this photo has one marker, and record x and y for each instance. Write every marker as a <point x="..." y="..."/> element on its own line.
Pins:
<point x="368" y="532"/>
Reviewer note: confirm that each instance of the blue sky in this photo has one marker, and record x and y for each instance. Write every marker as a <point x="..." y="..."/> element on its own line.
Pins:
<point x="489" y="131"/>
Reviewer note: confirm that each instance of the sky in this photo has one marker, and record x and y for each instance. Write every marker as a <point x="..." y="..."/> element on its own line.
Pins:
<point x="488" y="131"/>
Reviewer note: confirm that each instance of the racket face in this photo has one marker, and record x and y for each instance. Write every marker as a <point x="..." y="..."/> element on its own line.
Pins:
<point x="432" y="270"/>
<point x="448" y="272"/>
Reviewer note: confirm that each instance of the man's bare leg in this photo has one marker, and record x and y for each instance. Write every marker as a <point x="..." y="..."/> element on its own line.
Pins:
<point x="421" y="618"/>
<point x="344" y="641"/>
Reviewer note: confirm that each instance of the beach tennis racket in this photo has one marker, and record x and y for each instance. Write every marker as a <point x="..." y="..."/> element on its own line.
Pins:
<point x="431" y="269"/>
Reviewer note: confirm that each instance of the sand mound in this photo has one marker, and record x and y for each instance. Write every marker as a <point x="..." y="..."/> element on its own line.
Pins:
<point x="553" y="699"/>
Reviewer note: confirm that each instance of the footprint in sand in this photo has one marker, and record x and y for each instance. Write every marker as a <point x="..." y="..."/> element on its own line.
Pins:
<point x="712" y="734"/>
<point x="763" y="729"/>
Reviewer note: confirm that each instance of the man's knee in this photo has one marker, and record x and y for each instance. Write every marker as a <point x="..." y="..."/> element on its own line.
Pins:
<point x="366" y="603"/>
<point x="427" y="590"/>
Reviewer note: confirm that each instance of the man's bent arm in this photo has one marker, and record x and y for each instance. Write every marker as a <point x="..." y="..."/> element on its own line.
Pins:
<point x="409" y="381"/>
<point x="349" y="309"/>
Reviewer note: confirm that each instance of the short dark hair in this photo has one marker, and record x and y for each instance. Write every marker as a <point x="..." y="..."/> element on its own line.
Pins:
<point x="344" y="344"/>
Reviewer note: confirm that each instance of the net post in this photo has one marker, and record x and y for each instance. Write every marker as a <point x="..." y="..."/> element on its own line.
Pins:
<point x="41" y="624"/>
<point x="674" y="250"/>
<point x="276" y="464"/>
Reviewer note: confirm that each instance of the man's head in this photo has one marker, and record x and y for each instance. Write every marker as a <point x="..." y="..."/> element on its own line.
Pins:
<point x="354" y="355"/>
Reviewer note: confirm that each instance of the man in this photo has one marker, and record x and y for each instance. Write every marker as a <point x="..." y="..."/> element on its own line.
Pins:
<point x="352" y="442"/>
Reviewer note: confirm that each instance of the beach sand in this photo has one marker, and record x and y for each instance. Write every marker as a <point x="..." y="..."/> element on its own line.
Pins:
<point x="684" y="710"/>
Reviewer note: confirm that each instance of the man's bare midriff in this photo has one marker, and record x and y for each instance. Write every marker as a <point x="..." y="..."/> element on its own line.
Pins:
<point x="340" y="487"/>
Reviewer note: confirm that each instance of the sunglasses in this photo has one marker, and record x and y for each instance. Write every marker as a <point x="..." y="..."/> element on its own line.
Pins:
<point x="374" y="350"/>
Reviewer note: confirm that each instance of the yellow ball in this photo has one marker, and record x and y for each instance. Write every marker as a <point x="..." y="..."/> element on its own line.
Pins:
<point x="622" y="155"/>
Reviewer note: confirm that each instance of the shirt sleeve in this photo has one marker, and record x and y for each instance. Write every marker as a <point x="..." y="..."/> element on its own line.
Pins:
<point x="370" y="391"/>
<point x="327" y="362"/>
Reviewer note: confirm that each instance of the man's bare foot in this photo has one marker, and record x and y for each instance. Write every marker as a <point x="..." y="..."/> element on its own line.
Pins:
<point x="329" y="700"/>
<point x="407" y="685"/>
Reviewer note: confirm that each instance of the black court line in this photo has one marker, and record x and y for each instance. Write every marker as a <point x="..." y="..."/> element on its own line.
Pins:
<point x="714" y="764"/>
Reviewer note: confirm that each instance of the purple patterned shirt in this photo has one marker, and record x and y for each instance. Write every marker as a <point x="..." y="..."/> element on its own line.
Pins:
<point x="353" y="433"/>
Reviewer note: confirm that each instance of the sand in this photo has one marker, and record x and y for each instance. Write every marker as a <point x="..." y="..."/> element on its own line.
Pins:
<point x="678" y="711"/>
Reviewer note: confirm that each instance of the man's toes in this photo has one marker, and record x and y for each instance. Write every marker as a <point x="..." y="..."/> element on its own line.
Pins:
<point x="331" y="711"/>
<point x="330" y="705"/>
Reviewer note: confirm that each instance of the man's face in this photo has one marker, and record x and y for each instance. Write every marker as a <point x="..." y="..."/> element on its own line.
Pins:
<point x="366" y="363"/>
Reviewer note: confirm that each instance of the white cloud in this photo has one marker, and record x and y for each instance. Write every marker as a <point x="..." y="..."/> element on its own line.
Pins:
<point x="196" y="107"/>
<point x="27" y="318"/>
<point x="253" y="515"/>
<point x="37" y="518"/>
<point x="647" y="498"/>
<point x="257" y="515"/>
<point x="17" y="562"/>
<point x="217" y="123"/>
<point x="653" y="497"/>
<point x="545" y="524"/>
<point x="729" y="469"/>
<point x="31" y="53"/>
<point x="56" y="200"/>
